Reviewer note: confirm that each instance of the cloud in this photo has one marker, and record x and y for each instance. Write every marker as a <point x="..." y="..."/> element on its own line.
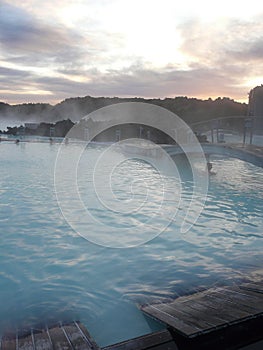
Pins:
<point x="8" y="72"/>
<point x="231" y="48"/>
<point x="29" y="41"/>
<point x="131" y="81"/>
<point x="47" y="60"/>
<point x="250" y="51"/>
<point x="11" y="80"/>
<point x="20" y="32"/>
<point x="228" y="40"/>
<point x="142" y="81"/>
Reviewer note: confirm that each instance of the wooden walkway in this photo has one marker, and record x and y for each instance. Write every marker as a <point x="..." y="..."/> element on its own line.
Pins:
<point x="228" y="318"/>
<point x="72" y="336"/>
<point x="162" y="340"/>
<point x="218" y="318"/>
<point x="248" y="153"/>
<point x="211" y="310"/>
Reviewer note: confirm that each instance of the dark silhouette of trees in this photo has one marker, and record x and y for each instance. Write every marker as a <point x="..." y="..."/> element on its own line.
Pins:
<point x="191" y="110"/>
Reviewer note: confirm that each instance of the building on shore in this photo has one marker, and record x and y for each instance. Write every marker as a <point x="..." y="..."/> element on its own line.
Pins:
<point x="255" y="108"/>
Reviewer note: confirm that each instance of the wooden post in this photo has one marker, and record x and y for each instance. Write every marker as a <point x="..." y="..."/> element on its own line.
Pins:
<point x="248" y="125"/>
<point x="251" y="132"/>
<point x="244" y="136"/>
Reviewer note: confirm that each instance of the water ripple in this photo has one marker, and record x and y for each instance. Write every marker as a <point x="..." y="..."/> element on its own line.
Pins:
<point x="49" y="273"/>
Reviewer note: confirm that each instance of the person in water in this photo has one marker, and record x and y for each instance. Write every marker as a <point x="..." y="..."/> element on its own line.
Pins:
<point x="209" y="168"/>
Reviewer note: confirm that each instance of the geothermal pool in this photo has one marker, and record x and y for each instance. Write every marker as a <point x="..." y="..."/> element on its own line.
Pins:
<point x="48" y="272"/>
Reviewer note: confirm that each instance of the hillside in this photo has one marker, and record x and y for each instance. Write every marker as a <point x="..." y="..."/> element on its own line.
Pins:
<point x="190" y="109"/>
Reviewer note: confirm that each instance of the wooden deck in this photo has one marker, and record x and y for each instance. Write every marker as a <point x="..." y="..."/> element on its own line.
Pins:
<point x="228" y="318"/>
<point x="72" y="336"/>
<point x="210" y="310"/>
<point x="219" y="318"/>
<point x="162" y="340"/>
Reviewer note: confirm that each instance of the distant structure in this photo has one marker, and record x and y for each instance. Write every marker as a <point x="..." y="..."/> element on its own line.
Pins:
<point x="31" y="126"/>
<point x="255" y="108"/>
<point x="87" y="128"/>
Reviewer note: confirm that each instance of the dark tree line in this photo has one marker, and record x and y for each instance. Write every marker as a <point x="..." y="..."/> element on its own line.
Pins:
<point x="58" y="129"/>
<point x="191" y="110"/>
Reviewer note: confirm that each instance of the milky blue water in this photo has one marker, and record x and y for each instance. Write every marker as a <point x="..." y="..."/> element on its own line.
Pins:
<point x="49" y="273"/>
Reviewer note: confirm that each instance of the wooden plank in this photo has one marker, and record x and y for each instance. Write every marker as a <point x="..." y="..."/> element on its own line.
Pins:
<point x="187" y="314"/>
<point x="77" y="340"/>
<point x="236" y="297"/>
<point x="151" y="340"/>
<point x="213" y="306"/>
<point x="42" y="341"/>
<point x="213" y="318"/>
<point x="72" y="336"/>
<point x="203" y="316"/>
<point x="59" y="339"/>
<point x="229" y="309"/>
<point x="247" y="298"/>
<point x="148" y="341"/>
<point x="244" y="299"/>
<point x="88" y="338"/>
<point x="209" y="310"/>
<point x="176" y="322"/>
<point x="255" y="295"/>
<point x="8" y="343"/>
<point x="25" y="343"/>
<point x="166" y="346"/>
<point x="232" y="300"/>
<point x="183" y="323"/>
<point x="208" y="303"/>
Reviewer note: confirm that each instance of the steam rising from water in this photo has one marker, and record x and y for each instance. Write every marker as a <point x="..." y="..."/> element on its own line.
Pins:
<point x="74" y="165"/>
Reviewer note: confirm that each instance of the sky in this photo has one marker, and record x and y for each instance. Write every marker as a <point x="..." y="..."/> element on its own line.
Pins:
<point x="52" y="50"/>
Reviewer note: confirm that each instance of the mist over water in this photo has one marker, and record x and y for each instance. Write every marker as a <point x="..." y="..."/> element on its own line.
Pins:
<point x="4" y="123"/>
<point x="50" y="273"/>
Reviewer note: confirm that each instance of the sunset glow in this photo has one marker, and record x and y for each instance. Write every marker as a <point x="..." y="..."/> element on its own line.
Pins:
<point x="59" y="49"/>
